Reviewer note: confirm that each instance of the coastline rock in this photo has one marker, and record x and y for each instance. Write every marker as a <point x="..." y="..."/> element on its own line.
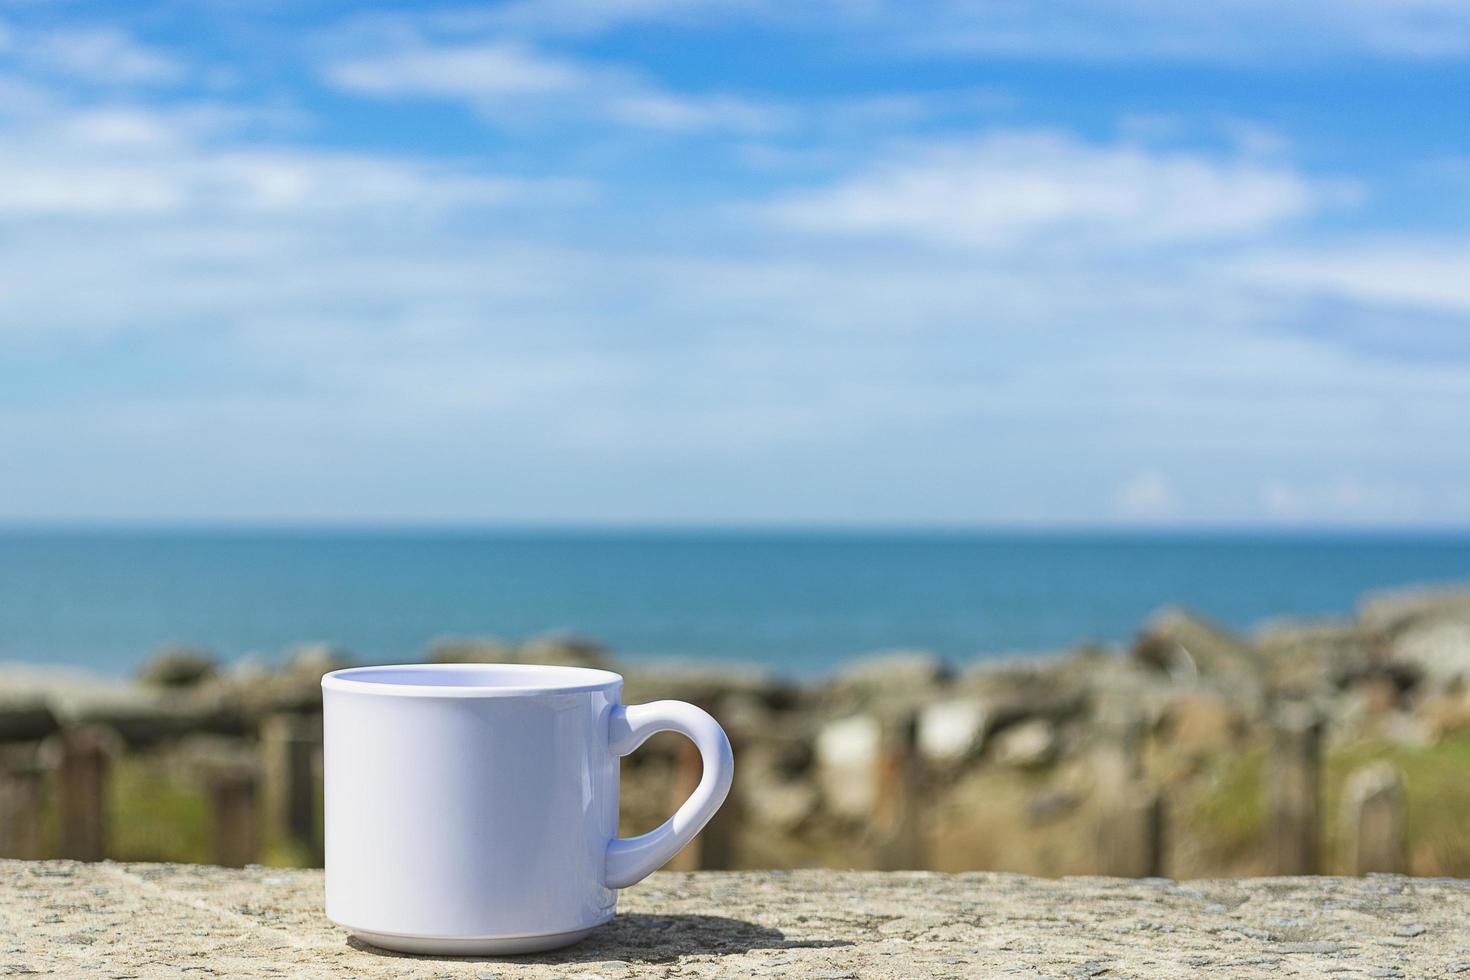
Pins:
<point x="784" y="805"/>
<point x="25" y="717"/>
<point x="1014" y="691"/>
<point x="1302" y="658"/>
<point x="310" y="661"/>
<point x="893" y="673"/>
<point x="470" y="650"/>
<point x="953" y="730"/>
<point x="140" y="715"/>
<point x="179" y="667"/>
<point x="776" y="788"/>
<point x="707" y="683"/>
<point x="1029" y="745"/>
<point x="296" y="687"/>
<point x="846" y="761"/>
<point x="1437" y="650"/>
<point x="1110" y="684"/>
<point x="1185" y="646"/>
<point x="1051" y="804"/>
<point x="563" y="650"/>
<point x="1200" y="723"/>
<point x="1387" y="612"/>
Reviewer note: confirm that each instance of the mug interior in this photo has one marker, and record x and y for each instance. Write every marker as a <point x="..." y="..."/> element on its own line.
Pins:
<point x="469" y="680"/>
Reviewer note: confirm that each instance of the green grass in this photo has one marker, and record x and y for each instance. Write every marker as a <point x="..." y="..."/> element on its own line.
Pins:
<point x="156" y="815"/>
<point x="1229" y="819"/>
<point x="1229" y="816"/>
<point x="158" y="812"/>
<point x="1437" y="797"/>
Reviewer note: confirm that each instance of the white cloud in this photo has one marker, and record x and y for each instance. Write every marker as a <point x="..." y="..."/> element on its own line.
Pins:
<point x="99" y="55"/>
<point x="678" y="113"/>
<point x="1016" y="186"/>
<point x="1102" y="30"/>
<point x="1429" y="275"/>
<point x="131" y="162"/>
<point x="350" y="334"/>
<point x="319" y="362"/>
<point x="255" y="181"/>
<point x="1343" y="499"/>
<point x="1148" y="495"/>
<point x="21" y="97"/>
<point x="510" y="81"/>
<point x="477" y="72"/>
<point x="1236" y="30"/>
<point x="584" y="17"/>
<point x="1280" y="500"/>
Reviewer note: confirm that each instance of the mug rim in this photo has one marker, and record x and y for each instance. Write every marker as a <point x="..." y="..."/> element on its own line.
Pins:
<point x="539" y="679"/>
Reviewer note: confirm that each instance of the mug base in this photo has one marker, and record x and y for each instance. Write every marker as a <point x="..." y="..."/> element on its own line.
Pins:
<point x="471" y="946"/>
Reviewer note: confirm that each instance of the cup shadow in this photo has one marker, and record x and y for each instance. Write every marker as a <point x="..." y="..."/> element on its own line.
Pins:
<point x="640" y="938"/>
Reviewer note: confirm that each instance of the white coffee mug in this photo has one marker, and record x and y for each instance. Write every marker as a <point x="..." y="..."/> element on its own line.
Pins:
<point x="473" y="808"/>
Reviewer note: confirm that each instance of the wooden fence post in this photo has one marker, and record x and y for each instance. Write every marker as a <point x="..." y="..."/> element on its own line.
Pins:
<point x="234" y="820"/>
<point x="713" y="849"/>
<point x="1130" y="842"/>
<point x="1373" y="821"/>
<point x="289" y="745"/>
<point x="22" y="803"/>
<point x="83" y="777"/>
<point x="897" y="823"/>
<point x="1295" y="788"/>
<point x="1130" y="829"/>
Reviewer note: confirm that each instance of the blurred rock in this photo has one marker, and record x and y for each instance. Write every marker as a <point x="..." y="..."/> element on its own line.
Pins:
<point x="298" y="686"/>
<point x="1302" y="658"/>
<point x="1055" y="689"/>
<point x="295" y="687"/>
<point x="908" y="675"/>
<point x="179" y="667"/>
<point x="952" y="730"/>
<point x="1051" y="804"/>
<point x="471" y="650"/>
<point x="310" y="661"/>
<point x="1185" y="646"/>
<point x="140" y="715"/>
<point x="1203" y="723"/>
<point x="745" y="716"/>
<point x="846" y="761"/>
<point x="775" y="785"/>
<point x="563" y="650"/>
<point x="1446" y="713"/>
<point x="1107" y="684"/>
<point x="1027" y="745"/>
<point x="24" y="715"/>
<point x="783" y="806"/>
<point x="708" y="683"/>
<point x="1437" y="649"/>
<point x="1386" y="613"/>
<point x="1407" y="729"/>
<point x="909" y="669"/>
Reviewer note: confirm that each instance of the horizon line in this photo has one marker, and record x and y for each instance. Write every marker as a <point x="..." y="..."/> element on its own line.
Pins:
<point x="1020" y="529"/>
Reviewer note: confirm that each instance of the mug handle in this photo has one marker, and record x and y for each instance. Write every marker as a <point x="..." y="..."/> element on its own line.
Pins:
<point x="631" y="859"/>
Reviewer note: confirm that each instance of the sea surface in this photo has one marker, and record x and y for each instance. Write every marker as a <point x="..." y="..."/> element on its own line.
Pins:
<point x="798" y="601"/>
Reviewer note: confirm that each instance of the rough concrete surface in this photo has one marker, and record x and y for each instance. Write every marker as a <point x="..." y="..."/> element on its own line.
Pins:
<point x="115" y="920"/>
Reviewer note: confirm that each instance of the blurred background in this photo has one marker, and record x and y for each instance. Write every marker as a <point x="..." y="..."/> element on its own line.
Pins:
<point x="1036" y="432"/>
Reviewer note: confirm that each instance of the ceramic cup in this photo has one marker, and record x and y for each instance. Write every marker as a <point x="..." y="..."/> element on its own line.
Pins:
<point x="473" y="808"/>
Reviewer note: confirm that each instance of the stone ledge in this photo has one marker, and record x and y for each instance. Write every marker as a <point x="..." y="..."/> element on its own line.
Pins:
<point x="140" y="920"/>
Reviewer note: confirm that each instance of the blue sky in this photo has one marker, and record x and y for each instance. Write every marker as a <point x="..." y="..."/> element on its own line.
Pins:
<point x="671" y="261"/>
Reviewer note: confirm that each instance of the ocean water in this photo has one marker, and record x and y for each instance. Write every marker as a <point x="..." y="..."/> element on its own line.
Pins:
<point x="800" y="602"/>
